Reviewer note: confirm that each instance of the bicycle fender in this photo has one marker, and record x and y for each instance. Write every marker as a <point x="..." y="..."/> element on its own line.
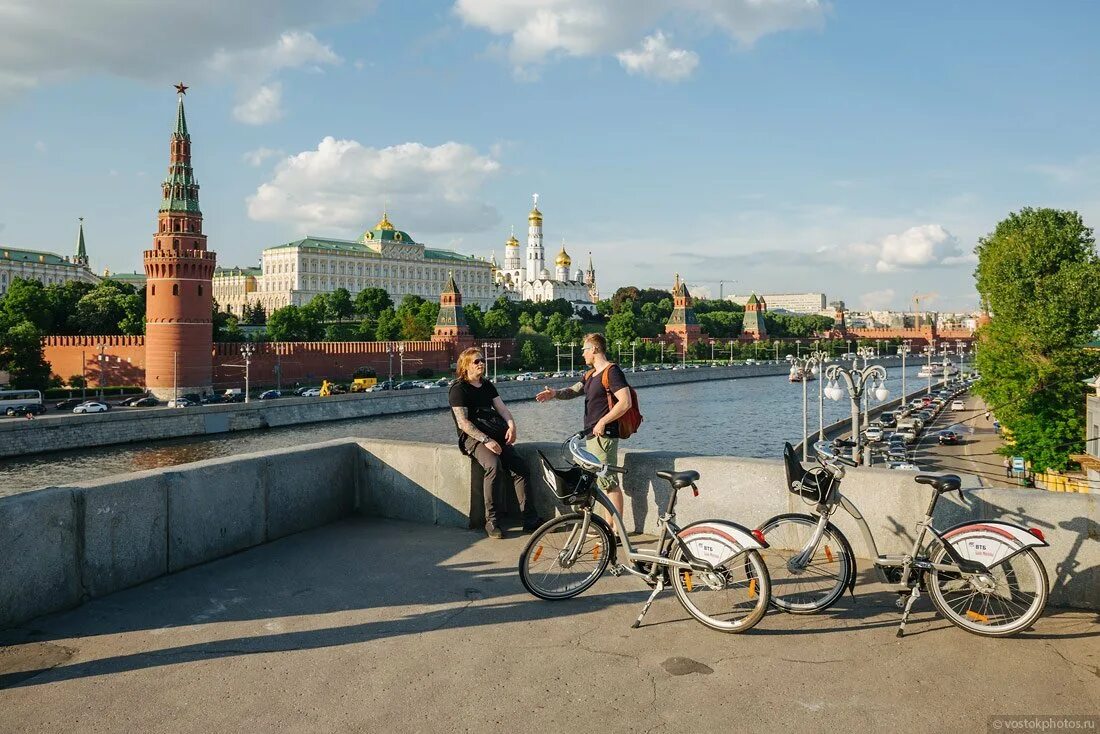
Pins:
<point x="829" y="526"/>
<point x="610" y="534"/>
<point x="714" y="541"/>
<point x="990" y="542"/>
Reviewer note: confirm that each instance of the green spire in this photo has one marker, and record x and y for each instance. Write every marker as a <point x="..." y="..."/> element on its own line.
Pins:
<point x="451" y="286"/>
<point x="81" y="251"/>
<point x="181" y="118"/>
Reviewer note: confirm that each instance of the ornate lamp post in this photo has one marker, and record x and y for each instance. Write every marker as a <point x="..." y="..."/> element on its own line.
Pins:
<point x="805" y="366"/>
<point x="865" y="353"/>
<point x="857" y="383"/>
<point x="903" y="350"/>
<point x="247" y="350"/>
<point x="102" y="349"/>
<point x="929" y="350"/>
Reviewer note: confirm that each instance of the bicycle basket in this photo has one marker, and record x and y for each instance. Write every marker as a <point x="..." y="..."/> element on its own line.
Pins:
<point x="571" y="485"/>
<point x="812" y="485"/>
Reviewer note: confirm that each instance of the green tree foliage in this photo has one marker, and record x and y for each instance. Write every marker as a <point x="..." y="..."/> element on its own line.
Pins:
<point x="623" y="326"/>
<point x="370" y="302"/>
<point x="253" y="314"/>
<point x="27" y="300"/>
<point x="287" y="324"/>
<point x="721" y="324"/>
<point x="475" y="319"/>
<point x="340" y="305"/>
<point x="529" y="356"/>
<point x="1038" y="273"/>
<point x="624" y="299"/>
<point x="104" y="309"/>
<point x="388" y="327"/>
<point x="21" y="353"/>
<point x="498" y="323"/>
<point x="417" y="318"/>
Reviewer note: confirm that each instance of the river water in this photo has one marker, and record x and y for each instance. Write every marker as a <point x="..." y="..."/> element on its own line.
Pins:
<point x="744" y="417"/>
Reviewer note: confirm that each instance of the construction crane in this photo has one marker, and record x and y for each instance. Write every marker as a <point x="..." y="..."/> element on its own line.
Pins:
<point x="917" y="298"/>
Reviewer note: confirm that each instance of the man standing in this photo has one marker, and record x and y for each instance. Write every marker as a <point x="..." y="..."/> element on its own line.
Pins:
<point x="600" y="414"/>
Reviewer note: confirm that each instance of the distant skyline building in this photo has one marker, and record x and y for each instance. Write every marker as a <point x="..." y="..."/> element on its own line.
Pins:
<point x="806" y="303"/>
<point x="46" y="267"/>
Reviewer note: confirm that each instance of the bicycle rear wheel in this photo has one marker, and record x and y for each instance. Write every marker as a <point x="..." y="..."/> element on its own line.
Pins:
<point x="541" y="566"/>
<point x="815" y="585"/>
<point x="732" y="599"/>
<point x="1003" y="603"/>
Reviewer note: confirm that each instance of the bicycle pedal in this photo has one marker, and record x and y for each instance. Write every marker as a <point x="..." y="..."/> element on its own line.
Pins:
<point x="617" y="570"/>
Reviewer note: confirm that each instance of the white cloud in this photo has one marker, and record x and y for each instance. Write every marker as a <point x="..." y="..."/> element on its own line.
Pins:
<point x="656" y="59"/>
<point x="257" y="157"/>
<point x="260" y="107"/>
<point x="929" y="245"/>
<point x="538" y="29"/>
<point x="44" y="41"/>
<point x="877" y="300"/>
<point x="342" y="186"/>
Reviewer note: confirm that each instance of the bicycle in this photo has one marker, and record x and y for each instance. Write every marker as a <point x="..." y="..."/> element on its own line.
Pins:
<point x="983" y="576"/>
<point x="713" y="566"/>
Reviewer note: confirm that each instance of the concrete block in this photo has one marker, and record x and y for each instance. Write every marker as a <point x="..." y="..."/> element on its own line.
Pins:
<point x="125" y="532"/>
<point x="215" y="508"/>
<point x="415" y="481"/>
<point x="39" y="547"/>
<point x="309" y="487"/>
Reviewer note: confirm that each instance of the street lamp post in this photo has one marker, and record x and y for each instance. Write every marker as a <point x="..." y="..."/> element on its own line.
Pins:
<point x="711" y="352"/>
<point x="929" y="350"/>
<point x="817" y="359"/>
<point x="865" y="353"/>
<point x="804" y="367"/>
<point x="903" y="350"/>
<point x="797" y="348"/>
<point x="247" y="350"/>
<point x="856" y="381"/>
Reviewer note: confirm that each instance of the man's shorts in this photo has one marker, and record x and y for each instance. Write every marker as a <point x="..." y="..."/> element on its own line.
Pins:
<point x="607" y="451"/>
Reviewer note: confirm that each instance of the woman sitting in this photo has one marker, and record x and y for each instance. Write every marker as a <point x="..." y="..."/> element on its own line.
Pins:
<point x="486" y="432"/>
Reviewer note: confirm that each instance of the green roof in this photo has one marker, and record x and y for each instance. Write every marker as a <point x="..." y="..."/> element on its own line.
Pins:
<point x="433" y="254"/>
<point x="33" y="256"/>
<point x="236" y="271"/>
<point x="127" y="277"/>
<point x="335" y="245"/>
<point x="752" y="299"/>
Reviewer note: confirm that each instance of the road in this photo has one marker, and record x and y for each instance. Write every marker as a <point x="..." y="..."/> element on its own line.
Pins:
<point x="975" y="453"/>
<point x="385" y="626"/>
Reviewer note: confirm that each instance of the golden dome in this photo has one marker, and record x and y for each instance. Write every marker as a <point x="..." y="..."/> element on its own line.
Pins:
<point x="384" y="222"/>
<point x="512" y="241"/>
<point x="563" y="259"/>
<point x="535" y="215"/>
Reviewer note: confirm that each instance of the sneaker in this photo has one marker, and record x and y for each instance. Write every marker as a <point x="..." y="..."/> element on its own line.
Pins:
<point x="532" y="523"/>
<point x="493" y="531"/>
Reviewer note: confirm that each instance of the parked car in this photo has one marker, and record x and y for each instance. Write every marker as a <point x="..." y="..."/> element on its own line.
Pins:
<point x="127" y="402"/>
<point x="69" y="404"/>
<point x="949" y="438"/>
<point x="888" y="419"/>
<point x="32" y="408"/>
<point x="958" y="405"/>
<point x="270" y="395"/>
<point x="92" y="406"/>
<point x="181" y="403"/>
<point x="146" y="402"/>
<point x="908" y="436"/>
<point x="904" y="466"/>
<point x="311" y="392"/>
<point x="407" y="385"/>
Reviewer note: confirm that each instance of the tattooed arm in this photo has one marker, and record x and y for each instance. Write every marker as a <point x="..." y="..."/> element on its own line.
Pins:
<point x="462" y="417"/>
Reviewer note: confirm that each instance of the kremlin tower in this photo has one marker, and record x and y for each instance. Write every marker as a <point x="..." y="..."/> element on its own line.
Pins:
<point x="682" y="326"/>
<point x="179" y="272"/>
<point x="535" y="259"/>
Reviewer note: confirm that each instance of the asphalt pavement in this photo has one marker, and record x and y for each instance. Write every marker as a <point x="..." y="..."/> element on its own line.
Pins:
<point x="383" y="626"/>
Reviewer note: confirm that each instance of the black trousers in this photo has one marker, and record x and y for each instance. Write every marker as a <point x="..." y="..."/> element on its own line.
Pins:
<point x="495" y="466"/>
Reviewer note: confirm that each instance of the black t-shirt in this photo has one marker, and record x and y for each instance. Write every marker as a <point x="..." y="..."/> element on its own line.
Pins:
<point x="479" y="404"/>
<point x="595" y="398"/>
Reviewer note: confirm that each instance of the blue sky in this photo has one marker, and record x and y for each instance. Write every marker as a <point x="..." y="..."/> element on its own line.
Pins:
<point x="858" y="148"/>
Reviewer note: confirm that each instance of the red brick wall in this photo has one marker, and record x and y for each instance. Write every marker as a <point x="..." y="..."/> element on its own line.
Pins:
<point x="123" y="363"/>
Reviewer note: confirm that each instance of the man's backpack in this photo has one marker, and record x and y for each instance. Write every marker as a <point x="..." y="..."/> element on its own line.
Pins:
<point x="631" y="420"/>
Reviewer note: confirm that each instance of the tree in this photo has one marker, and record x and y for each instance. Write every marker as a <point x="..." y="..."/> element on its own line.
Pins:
<point x="721" y="324"/>
<point x="529" y="356"/>
<point x="474" y="319"/>
<point x="388" y="327"/>
<point x="623" y="326"/>
<point x="26" y="300"/>
<point x="110" y="305"/>
<point x="1038" y="273"/>
<point x="370" y="302"/>
<point x="498" y="324"/>
<point x="624" y="299"/>
<point x="340" y="305"/>
<point x="77" y="382"/>
<point x="286" y="324"/>
<point x="21" y="354"/>
<point x="254" y="314"/>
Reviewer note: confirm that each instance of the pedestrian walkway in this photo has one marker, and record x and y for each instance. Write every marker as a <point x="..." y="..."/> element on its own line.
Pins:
<point x="385" y="626"/>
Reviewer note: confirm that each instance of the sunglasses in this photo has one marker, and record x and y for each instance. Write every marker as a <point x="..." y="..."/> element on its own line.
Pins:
<point x="479" y="361"/>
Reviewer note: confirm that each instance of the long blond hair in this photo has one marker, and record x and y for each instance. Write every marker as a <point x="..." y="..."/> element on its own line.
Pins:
<point x="465" y="361"/>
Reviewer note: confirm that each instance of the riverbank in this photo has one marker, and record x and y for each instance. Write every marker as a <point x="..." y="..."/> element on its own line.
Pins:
<point x="67" y="432"/>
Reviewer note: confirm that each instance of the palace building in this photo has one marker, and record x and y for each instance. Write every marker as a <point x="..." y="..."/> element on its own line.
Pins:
<point x="384" y="257"/>
<point x="45" y="267"/>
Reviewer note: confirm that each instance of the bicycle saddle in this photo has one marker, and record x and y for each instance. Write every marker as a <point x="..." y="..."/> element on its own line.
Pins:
<point x="942" y="482"/>
<point x="679" y="479"/>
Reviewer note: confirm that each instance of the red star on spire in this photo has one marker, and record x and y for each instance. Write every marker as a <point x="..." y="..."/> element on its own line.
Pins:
<point x="181" y="88"/>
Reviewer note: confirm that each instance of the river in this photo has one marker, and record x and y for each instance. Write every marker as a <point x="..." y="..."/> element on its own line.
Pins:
<point x="743" y="417"/>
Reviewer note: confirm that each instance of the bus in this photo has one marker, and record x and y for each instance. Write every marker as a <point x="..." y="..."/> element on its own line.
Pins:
<point x="20" y="398"/>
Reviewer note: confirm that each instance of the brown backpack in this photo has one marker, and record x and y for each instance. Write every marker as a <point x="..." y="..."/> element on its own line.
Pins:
<point x="631" y="420"/>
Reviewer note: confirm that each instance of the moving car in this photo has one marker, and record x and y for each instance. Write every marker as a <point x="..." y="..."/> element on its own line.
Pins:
<point x="92" y="406"/>
<point x="32" y="408"/>
<point x="69" y="404"/>
<point x="147" y="402"/>
<point x="958" y="405"/>
<point x="904" y="466"/>
<point x="888" y="419"/>
<point x="873" y="433"/>
<point x="181" y="403"/>
<point x="949" y="438"/>
<point x="270" y="395"/>
<point x="311" y="392"/>
<point x="909" y="436"/>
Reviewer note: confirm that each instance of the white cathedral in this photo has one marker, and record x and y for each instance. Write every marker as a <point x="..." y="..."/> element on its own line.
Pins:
<point x="533" y="281"/>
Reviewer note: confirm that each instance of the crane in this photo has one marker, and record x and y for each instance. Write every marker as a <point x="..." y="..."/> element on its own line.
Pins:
<point x="917" y="298"/>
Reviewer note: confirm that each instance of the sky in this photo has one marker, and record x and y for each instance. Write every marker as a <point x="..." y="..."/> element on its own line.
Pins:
<point x="859" y="148"/>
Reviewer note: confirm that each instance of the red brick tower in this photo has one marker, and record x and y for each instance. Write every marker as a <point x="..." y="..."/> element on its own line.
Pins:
<point x="179" y="274"/>
<point x="450" y="325"/>
<point x="682" y="327"/>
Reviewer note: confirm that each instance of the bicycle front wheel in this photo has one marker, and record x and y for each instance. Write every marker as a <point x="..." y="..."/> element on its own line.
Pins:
<point x="731" y="599"/>
<point x="1002" y="603"/>
<point x="544" y="565"/>
<point x="813" y="584"/>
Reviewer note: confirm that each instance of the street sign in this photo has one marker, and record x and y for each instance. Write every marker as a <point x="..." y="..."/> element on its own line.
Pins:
<point x="1018" y="463"/>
